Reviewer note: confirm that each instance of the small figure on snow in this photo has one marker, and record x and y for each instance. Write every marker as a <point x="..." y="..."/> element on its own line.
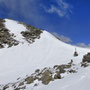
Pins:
<point x="75" y="53"/>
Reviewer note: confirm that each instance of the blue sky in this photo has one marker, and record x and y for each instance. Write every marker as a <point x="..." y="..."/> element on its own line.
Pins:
<point x="68" y="18"/>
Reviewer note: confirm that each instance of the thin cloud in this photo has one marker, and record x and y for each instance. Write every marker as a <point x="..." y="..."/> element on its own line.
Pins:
<point x="25" y="9"/>
<point x="68" y="40"/>
<point x="31" y="10"/>
<point x="62" y="38"/>
<point x="62" y="9"/>
<point x="83" y="45"/>
<point x="53" y="9"/>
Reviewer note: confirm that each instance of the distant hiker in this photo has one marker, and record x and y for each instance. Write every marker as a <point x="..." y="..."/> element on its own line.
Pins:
<point x="75" y="53"/>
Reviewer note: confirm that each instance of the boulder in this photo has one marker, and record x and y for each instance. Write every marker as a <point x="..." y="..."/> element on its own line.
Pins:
<point x="46" y="77"/>
<point x="84" y="64"/>
<point x="86" y="58"/>
<point x="30" y="79"/>
<point x="57" y="75"/>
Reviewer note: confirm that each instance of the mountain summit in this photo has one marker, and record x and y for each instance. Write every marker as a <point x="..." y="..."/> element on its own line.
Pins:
<point x="33" y="59"/>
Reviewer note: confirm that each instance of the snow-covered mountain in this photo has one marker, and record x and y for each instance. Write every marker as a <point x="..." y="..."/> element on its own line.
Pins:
<point x="24" y="49"/>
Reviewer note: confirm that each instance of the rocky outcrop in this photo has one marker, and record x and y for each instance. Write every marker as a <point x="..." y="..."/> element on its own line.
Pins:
<point x="45" y="76"/>
<point x="30" y="36"/>
<point x="6" y="38"/>
<point x="30" y="79"/>
<point x="86" y="58"/>
<point x="31" y="33"/>
<point x="84" y="64"/>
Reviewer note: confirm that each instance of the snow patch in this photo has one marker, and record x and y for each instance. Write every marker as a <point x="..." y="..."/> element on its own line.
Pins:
<point x="16" y="28"/>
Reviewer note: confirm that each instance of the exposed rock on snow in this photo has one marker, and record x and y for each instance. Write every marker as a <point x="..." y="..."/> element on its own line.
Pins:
<point x="30" y="36"/>
<point x="11" y="37"/>
<point x="23" y="32"/>
<point x="86" y="58"/>
<point x="18" y="62"/>
<point x="6" y="38"/>
<point x="45" y="76"/>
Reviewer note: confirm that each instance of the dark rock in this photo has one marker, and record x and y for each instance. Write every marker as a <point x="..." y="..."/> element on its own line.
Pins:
<point x="21" y="83"/>
<point x="35" y="84"/>
<point x="86" y="58"/>
<point x="61" y="68"/>
<point x="22" y="88"/>
<point x="1" y="46"/>
<point x="84" y="64"/>
<point x="5" y="87"/>
<point x="71" y="62"/>
<point x="6" y="38"/>
<point x="57" y="75"/>
<point x="17" y="89"/>
<point x="30" y="79"/>
<point x="72" y="71"/>
<point x="55" y="67"/>
<point x="31" y="34"/>
<point x="46" y="77"/>
<point x="37" y="70"/>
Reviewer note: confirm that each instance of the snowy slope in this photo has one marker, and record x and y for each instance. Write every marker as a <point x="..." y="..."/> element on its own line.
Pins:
<point x="77" y="81"/>
<point x="15" y="28"/>
<point x="47" y="51"/>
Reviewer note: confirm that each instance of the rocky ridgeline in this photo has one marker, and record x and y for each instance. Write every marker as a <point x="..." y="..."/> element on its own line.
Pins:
<point x="45" y="76"/>
<point x="6" y="38"/>
<point x="86" y="60"/>
<point x="31" y="33"/>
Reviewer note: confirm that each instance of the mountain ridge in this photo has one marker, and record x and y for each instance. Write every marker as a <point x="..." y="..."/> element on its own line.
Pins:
<point x="19" y="62"/>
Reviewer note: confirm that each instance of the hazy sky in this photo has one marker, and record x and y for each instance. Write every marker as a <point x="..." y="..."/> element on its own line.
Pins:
<point x="70" y="18"/>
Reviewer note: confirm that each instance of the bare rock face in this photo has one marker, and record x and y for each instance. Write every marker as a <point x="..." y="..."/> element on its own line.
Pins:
<point x="57" y="75"/>
<point x="29" y="80"/>
<point x="6" y="38"/>
<point x="31" y="33"/>
<point x="46" y="77"/>
<point x="86" y="58"/>
<point x="84" y="64"/>
<point x="5" y="87"/>
<point x="30" y="36"/>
